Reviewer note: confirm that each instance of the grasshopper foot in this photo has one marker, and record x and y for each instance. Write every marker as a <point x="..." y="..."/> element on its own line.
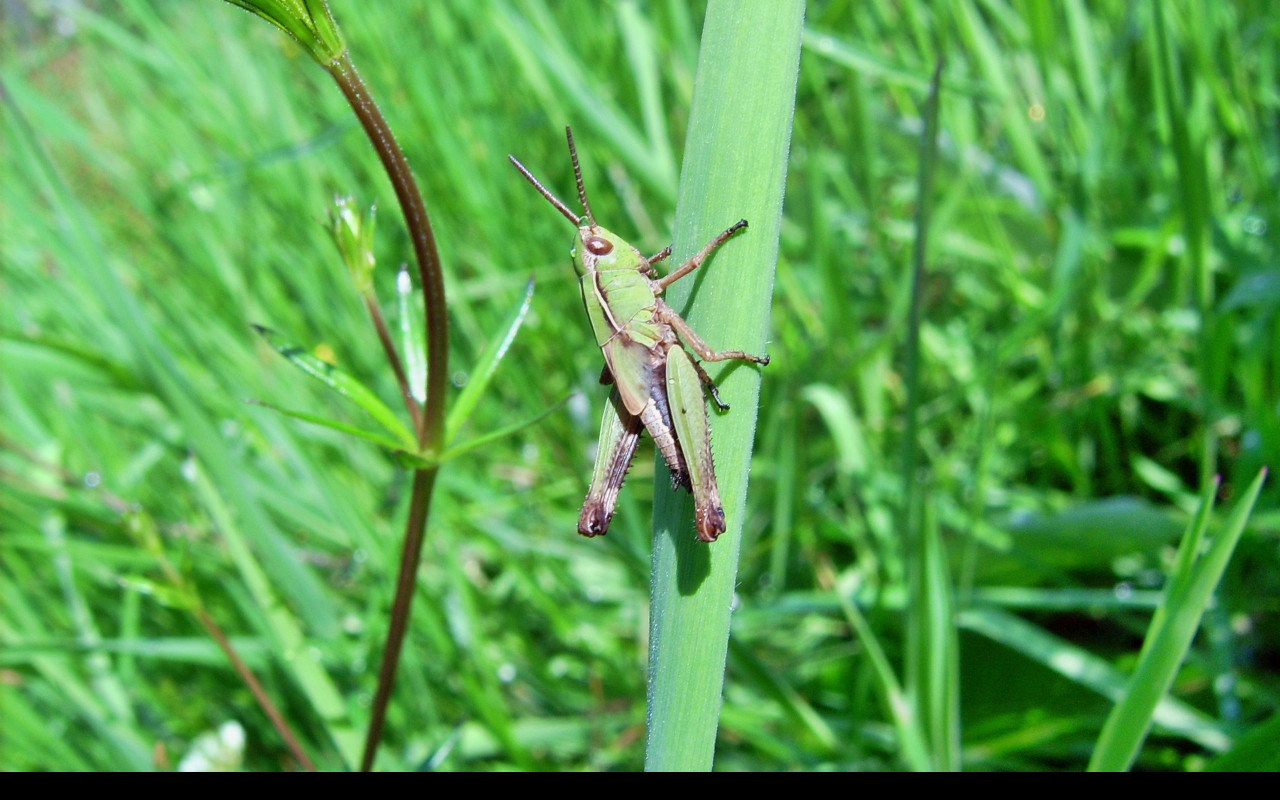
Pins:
<point x="593" y="522"/>
<point x="710" y="523"/>
<point x="715" y="397"/>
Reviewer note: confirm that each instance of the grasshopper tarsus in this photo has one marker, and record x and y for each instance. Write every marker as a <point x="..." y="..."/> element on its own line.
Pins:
<point x="711" y="386"/>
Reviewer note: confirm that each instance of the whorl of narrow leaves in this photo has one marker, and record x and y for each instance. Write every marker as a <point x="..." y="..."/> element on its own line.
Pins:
<point x="307" y="21"/>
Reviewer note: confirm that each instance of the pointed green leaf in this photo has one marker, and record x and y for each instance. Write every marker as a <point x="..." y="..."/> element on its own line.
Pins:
<point x="1172" y="629"/>
<point x="480" y="441"/>
<point x="413" y="341"/>
<point x="485" y="366"/>
<point x="342" y="383"/>
<point x="341" y="427"/>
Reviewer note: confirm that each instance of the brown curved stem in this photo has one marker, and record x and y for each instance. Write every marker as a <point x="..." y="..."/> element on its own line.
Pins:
<point x="430" y="425"/>
<point x="424" y="244"/>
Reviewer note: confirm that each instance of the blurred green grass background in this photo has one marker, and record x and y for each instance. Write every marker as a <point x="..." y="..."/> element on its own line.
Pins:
<point x="1101" y="298"/>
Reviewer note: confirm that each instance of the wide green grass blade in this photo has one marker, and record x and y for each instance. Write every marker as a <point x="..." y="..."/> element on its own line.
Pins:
<point x="1172" y="629"/>
<point x="746" y="71"/>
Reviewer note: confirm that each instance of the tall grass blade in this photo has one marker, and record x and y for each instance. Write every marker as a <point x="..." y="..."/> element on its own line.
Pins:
<point x="1165" y="648"/>
<point x="746" y="71"/>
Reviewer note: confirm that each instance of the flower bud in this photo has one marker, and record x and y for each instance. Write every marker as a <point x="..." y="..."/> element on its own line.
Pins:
<point x="353" y="234"/>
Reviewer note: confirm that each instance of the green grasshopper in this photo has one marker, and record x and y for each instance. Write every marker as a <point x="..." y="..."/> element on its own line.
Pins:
<point x="656" y="383"/>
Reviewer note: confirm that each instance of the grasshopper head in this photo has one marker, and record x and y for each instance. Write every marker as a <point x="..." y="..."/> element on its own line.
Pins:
<point x="596" y="248"/>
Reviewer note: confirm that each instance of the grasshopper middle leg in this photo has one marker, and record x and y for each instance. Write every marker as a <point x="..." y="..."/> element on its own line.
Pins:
<point x="704" y="351"/>
<point x="711" y="386"/>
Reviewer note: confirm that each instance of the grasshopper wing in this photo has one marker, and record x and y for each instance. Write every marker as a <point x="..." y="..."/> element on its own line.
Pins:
<point x="631" y="365"/>
<point x="639" y="383"/>
<point x="689" y="415"/>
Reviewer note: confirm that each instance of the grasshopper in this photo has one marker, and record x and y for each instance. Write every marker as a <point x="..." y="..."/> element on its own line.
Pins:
<point x="657" y="385"/>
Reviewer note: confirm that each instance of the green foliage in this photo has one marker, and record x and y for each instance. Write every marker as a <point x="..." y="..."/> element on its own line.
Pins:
<point x="307" y="21"/>
<point x="165" y="165"/>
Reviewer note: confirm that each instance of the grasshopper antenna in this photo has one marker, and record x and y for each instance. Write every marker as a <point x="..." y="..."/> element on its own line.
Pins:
<point x="577" y="174"/>
<point x="551" y="198"/>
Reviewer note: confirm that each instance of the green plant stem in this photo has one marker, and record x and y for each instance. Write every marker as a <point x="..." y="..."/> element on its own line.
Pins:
<point x="747" y="71"/>
<point x="430" y="425"/>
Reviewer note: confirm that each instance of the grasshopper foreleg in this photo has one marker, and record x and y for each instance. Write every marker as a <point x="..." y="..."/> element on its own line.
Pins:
<point x="648" y="269"/>
<point x="696" y="261"/>
<point x="666" y="314"/>
<point x="661" y="256"/>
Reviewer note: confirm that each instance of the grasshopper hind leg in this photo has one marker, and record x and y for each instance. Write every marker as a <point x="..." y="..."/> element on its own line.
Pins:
<point x="619" y="437"/>
<point x="688" y="410"/>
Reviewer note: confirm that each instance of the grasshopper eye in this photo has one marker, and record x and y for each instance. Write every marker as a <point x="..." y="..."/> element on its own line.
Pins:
<point x="598" y="246"/>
